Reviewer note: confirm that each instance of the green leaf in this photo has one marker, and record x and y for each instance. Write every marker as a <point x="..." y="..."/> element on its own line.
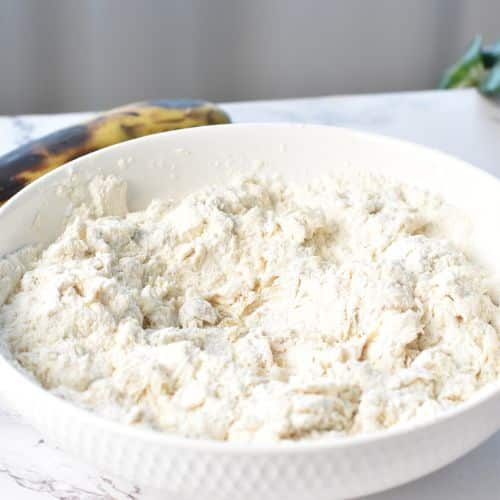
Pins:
<point x="465" y="71"/>
<point x="490" y="85"/>
<point x="491" y="54"/>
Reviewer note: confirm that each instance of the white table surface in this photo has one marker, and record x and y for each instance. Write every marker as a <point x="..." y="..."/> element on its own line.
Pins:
<point x="459" y="122"/>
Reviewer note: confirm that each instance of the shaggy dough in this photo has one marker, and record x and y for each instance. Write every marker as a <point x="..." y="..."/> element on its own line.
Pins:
<point x="258" y="310"/>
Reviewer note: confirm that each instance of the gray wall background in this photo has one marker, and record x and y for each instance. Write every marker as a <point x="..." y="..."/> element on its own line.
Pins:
<point x="68" y="55"/>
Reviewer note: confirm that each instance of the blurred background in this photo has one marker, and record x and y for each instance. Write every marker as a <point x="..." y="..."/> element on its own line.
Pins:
<point x="72" y="55"/>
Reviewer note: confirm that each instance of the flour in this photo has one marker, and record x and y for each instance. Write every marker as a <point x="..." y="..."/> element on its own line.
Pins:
<point x="258" y="310"/>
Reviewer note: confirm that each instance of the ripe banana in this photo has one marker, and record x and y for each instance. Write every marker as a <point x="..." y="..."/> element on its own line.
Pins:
<point x="29" y="162"/>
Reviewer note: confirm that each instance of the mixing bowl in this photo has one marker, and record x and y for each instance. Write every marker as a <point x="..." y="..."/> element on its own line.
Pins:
<point x="175" y="163"/>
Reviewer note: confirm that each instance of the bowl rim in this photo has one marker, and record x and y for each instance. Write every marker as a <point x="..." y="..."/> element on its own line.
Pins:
<point x="162" y="438"/>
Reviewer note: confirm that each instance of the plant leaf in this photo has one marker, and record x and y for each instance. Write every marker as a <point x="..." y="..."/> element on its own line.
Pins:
<point x="464" y="72"/>
<point x="490" y="85"/>
<point x="491" y="54"/>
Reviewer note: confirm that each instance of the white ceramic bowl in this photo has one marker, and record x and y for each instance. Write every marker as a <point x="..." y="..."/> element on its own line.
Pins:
<point x="321" y="469"/>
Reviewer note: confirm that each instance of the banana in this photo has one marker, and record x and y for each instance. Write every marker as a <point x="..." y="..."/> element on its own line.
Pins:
<point x="30" y="161"/>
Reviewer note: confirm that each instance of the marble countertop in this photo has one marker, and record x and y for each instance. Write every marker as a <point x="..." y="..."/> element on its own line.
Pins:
<point x="459" y="122"/>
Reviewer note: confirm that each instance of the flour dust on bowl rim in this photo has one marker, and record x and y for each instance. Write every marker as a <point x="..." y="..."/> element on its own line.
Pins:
<point x="176" y="163"/>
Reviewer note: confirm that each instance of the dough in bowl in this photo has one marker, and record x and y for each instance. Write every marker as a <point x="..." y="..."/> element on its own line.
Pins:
<point x="259" y="310"/>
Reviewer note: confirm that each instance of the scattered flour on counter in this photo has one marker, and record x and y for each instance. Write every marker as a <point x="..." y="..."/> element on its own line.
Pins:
<point x="257" y="310"/>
